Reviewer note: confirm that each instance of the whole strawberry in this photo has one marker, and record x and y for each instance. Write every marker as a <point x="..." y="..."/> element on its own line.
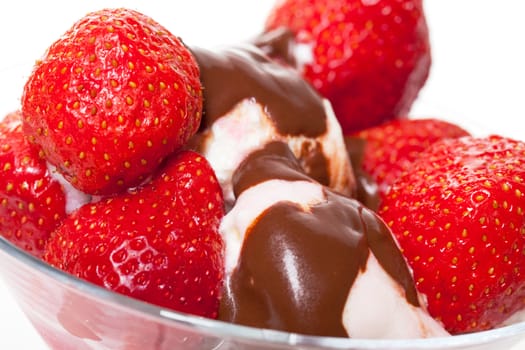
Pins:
<point x="158" y="242"/>
<point x="110" y="99"/>
<point x="32" y="203"/>
<point x="458" y="215"/>
<point x="369" y="58"/>
<point x="393" y="145"/>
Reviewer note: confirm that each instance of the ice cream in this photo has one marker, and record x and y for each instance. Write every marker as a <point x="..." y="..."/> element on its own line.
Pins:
<point x="303" y="258"/>
<point x="250" y="100"/>
<point x="301" y="254"/>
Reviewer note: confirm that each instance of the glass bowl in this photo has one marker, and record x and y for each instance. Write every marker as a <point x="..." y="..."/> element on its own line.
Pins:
<point x="70" y="313"/>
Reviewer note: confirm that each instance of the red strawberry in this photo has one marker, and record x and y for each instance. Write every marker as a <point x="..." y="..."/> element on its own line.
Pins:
<point x="459" y="217"/>
<point x="392" y="146"/>
<point x="113" y="97"/>
<point x="158" y="242"/>
<point x="369" y="58"/>
<point x="32" y="203"/>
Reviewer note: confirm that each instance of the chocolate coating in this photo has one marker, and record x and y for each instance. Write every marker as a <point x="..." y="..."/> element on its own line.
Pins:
<point x="274" y="161"/>
<point x="278" y="44"/>
<point x="297" y="266"/>
<point x="233" y="74"/>
<point x="367" y="191"/>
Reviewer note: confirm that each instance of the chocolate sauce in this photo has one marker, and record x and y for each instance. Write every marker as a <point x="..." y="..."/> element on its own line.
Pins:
<point x="279" y="44"/>
<point x="367" y="191"/>
<point x="233" y="74"/>
<point x="297" y="266"/>
<point x="315" y="164"/>
<point x="274" y="161"/>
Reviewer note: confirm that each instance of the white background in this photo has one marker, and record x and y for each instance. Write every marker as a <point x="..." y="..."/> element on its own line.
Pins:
<point x="477" y="76"/>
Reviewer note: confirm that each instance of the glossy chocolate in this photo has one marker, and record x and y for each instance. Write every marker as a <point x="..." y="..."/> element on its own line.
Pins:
<point x="274" y="161"/>
<point x="233" y="74"/>
<point x="279" y="44"/>
<point x="367" y="191"/>
<point x="297" y="266"/>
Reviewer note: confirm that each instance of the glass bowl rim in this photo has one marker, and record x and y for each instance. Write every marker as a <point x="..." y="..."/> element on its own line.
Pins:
<point x="225" y="330"/>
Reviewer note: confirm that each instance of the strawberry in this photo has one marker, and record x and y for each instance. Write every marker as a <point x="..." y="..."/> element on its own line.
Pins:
<point x="112" y="98"/>
<point x="158" y="242"/>
<point x="459" y="217"/>
<point x="32" y="203"/>
<point x="392" y="146"/>
<point x="369" y="58"/>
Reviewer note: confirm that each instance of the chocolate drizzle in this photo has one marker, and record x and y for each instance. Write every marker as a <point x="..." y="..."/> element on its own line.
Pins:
<point x="367" y="191"/>
<point x="279" y="44"/>
<point x="274" y="161"/>
<point x="297" y="266"/>
<point x="233" y="74"/>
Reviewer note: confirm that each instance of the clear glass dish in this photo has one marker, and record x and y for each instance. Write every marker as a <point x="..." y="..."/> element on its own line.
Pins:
<point x="70" y="313"/>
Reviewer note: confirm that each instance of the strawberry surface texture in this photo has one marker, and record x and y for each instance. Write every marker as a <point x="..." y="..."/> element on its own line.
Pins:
<point x="158" y="242"/>
<point x="32" y="203"/>
<point x="369" y="58"/>
<point x="393" y="145"/>
<point x="458" y="215"/>
<point x="112" y="98"/>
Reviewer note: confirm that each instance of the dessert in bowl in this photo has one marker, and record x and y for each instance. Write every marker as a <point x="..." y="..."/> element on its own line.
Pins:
<point x="71" y="313"/>
<point x="288" y="174"/>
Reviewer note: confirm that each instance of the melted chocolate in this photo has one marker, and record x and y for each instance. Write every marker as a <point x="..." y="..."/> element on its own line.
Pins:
<point x="278" y="44"/>
<point x="367" y="191"/>
<point x="314" y="162"/>
<point x="296" y="267"/>
<point x="274" y="161"/>
<point x="245" y="72"/>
